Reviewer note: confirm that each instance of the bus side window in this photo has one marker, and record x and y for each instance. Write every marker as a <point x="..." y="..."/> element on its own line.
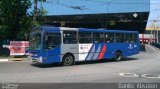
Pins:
<point x="126" y="38"/>
<point x="98" y="37"/>
<point x="119" y="37"/>
<point x="95" y="37"/>
<point x="122" y="37"/>
<point x="69" y="37"/>
<point x="112" y="37"/>
<point x="107" y="38"/>
<point x="135" y="37"/>
<point x="85" y="37"/>
<point x="129" y="37"/>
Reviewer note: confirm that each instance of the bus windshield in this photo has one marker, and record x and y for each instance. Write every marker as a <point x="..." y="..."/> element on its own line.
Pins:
<point x="35" y="41"/>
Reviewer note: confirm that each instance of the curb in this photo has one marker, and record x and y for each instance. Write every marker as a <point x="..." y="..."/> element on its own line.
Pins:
<point x="4" y="60"/>
<point x="16" y="59"/>
<point x="12" y="59"/>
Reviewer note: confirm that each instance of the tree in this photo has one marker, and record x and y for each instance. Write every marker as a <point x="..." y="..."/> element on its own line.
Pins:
<point x="37" y="13"/>
<point x="35" y="18"/>
<point x="13" y="15"/>
<point x="41" y="13"/>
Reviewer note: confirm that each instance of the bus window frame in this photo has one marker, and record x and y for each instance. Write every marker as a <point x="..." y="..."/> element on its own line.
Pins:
<point x="121" y="38"/>
<point x="45" y="34"/>
<point x="76" y="37"/>
<point x="84" y="37"/>
<point x="99" y="38"/>
<point x="109" y="38"/>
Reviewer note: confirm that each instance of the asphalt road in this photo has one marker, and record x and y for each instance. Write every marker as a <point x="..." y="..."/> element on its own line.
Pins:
<point x="141" y="68"/>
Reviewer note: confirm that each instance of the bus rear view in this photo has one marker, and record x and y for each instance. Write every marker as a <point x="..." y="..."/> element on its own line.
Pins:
<point x="70" y="45"/>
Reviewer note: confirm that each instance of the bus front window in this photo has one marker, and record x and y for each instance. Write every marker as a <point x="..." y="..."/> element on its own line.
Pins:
<point x="35" y="41"/>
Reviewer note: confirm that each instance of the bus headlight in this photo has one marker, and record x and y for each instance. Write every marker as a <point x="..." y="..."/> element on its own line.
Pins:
<point x="40" y="59"/>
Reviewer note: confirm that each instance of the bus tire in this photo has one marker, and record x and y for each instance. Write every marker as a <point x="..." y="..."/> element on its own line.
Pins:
<point x="68" y="60"/>
<point x="118" y="56"/>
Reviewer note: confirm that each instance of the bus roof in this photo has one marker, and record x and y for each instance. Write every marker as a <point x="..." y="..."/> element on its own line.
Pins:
<point x="50" y="28"/>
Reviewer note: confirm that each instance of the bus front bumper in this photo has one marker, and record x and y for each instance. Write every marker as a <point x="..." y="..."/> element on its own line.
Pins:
<point x="35" y="60"/>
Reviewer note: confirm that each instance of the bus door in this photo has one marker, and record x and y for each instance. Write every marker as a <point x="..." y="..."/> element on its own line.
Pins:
<point x="70" y="43"/>
<point x="52" y="42"/>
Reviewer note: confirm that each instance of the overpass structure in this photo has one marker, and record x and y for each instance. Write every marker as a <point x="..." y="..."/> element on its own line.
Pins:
<point x="113" y="14"/>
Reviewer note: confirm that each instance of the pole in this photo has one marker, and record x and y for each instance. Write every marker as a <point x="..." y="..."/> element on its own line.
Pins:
<point x="142" y="38"/>
<point x="154" y="31"/>
<point x="151" y="36"/>
<point x="157" y="34"/>
<point x="35" y="11"/>
<point x="154" y="34"/>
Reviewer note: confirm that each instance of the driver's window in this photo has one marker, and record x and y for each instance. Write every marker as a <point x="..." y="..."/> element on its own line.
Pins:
<point x="52" y="40"/>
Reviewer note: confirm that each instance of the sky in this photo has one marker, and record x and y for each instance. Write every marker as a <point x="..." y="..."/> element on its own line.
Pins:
<point x="154" y="12"/>
<point x="60" y="7"/>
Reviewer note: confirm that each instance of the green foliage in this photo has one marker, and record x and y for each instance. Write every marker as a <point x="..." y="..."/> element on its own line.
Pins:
<point x="41" y="13"/>
<point x="15" y="22"/>
<point x="13" y="16"/>
<point x="38" y="13"/>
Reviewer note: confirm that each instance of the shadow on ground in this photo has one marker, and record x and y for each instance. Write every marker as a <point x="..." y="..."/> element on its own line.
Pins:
<point x="82" y="63"/>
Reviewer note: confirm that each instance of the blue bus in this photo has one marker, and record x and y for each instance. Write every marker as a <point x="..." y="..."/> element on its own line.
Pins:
<point x="69" y="45"/>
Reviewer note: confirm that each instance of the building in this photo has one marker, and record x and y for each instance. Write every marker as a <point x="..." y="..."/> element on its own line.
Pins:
<point x="150" y="35"/>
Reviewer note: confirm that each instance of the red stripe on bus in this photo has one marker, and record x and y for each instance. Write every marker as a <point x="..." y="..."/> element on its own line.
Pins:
<point x="102" y="52"/>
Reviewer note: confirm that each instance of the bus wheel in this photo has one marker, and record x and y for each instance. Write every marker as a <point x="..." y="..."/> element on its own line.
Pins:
<point x="68" y="60"/>
<point x="118" y="56"/>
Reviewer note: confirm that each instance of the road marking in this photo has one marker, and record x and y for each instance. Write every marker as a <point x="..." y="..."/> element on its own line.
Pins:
<point x="150" y="76"/>
<point x="128" y="75"/>
<point x="139" y="75"/>
<point x="3" y="60"/>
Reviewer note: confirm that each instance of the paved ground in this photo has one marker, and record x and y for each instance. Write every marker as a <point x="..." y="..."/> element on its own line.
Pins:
<point x="141" y="68"/>
<point x="106" y="72"/>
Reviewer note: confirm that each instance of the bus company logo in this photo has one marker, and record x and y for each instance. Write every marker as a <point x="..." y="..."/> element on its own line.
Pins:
<point x="130" y="46"/>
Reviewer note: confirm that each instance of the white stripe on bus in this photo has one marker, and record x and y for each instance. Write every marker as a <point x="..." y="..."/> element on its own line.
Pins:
<point x="97" y="53"/>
